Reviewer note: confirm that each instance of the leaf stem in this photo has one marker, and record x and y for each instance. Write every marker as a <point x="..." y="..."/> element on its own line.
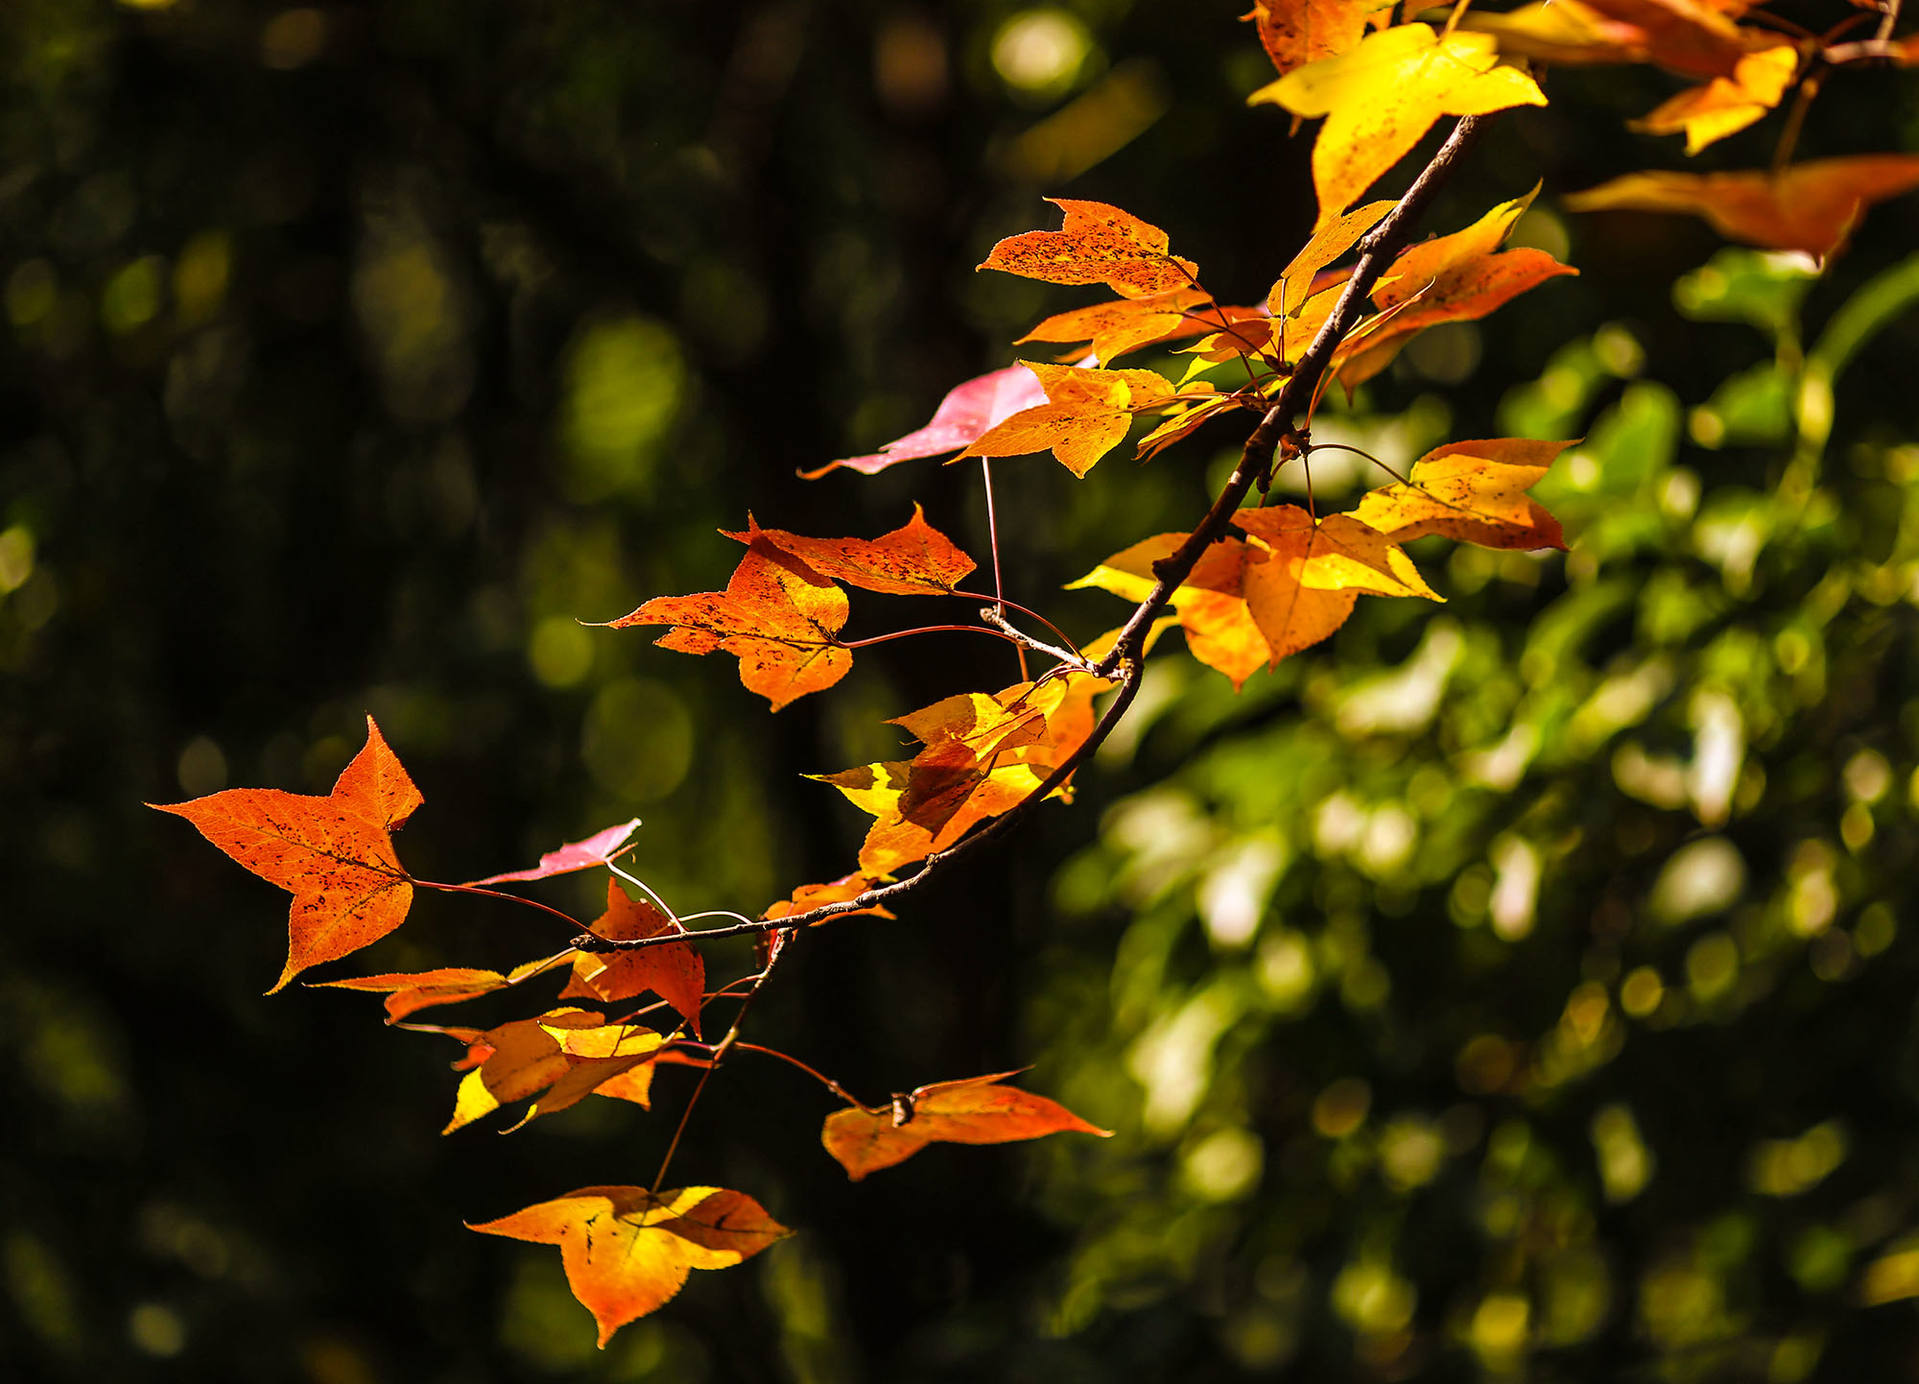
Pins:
<point x="928" y="629"/>
<point x="567" y="918"/>
<point x="646" y="889"/>
<point x="992" y="539"/>
<point x="1023" y="610"/>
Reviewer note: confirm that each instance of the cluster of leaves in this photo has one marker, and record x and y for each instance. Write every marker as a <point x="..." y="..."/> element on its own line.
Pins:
<point x="1250" y="585"/>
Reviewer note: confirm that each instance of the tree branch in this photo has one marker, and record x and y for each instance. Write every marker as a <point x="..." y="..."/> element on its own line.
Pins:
<point x="1122" y="662"/>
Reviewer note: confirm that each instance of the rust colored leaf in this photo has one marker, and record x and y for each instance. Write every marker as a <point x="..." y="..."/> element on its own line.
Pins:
<point x="1086" y="415"/>
<point x="1380" y="97"/>
<point x="966" y="412"/>
<point x="981" y="756"/>
<point x="977" y="1110"/>
<point x="915" y="559"/>
<point x="1296" y="32"/>
<point x="808" y="897"/>
<point x="1453" y="278"/>
<point x="562" y="1057"/>
<point x="1726" y="105"/>
<point x="1098" y="244"/>
<point x="1682" y="35"/>
<point x="777" y="615"/>
<point x="408" y="993"/>
<point x="598" y="849"/>
<point x="673" y="970"/>
<point x="1809" y="206"/>
<point x="334" y="854"/>
<point x="627" y="1251"/>
<point x="1115" y="328"/>
<point x="1181" y="421"/>
<point x="1474" y="492"/>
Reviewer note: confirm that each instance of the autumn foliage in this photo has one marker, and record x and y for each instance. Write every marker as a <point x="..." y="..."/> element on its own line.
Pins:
<point x="1249" y="584"/>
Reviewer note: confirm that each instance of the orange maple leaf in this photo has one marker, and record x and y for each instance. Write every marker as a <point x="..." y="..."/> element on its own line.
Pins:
<point x="976" y="1110"/>
<point x="1381" y="96"/>
<point x="1126" y="324"/>
<point x="1474" y="492"/>
<point x="1296" y="32"/>
<point x="1097" y="244"/>
<point x="409" y="992"/>
<point x="567" y="1054"/>
<point x="334" y="854"/>
<point x="1086" y="415"/>
<point x="627" y="1251"/>
<point x="808" y="897"/>
<point x="1452" y="278"/>
<point x="777" y="615"/>
<point x="1811" y="206"/>
<point x="915" y="559"/>
<point x="982" y="756"/>
<point x="1726" y="105"/>
<point x="672" y="970"/>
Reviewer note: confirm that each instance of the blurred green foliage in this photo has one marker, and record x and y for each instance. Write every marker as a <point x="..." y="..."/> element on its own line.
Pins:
<point x="1517" y="990"/>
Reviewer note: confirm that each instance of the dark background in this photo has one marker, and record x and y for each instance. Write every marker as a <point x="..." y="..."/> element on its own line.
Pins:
<point x="355" y="352"/>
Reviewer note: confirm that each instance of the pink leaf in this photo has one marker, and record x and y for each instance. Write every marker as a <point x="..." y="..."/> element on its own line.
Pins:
<point x="597" y="849"/>
<point x="964" y="415"/>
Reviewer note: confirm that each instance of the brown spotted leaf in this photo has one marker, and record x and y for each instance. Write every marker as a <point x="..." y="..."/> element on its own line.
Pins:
<point x="1098" y="244"/>
<point x="627" y="1251"/>
<point x="977" y="1110"/>
<point x="334" y="854"/>
<point x="915" y="559"/>
<point x="777" y="615"/>
<point x="1296" y="32"/>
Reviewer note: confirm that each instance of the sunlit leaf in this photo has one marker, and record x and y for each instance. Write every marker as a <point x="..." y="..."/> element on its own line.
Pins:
<point x="977" y="1110"/>
<point x="1115" y="328"/>
<point x="777" y="615"/>
<point x="1097" y="244"/>
<point x="334" y="854"/>
<point x="1380" y="97"/>
<point x="596" y="850"/>
<point x="1296" y="32"/>
<point x="1726" y="105"/>
<point x="672" y="970"/>
<point x="1086" y="415"/>
<point x="627" y="1251"/>
<point x="561" y="1057"/>
<point x="408" y="993"/>
<point x="1474" y="492"/>
<point x="915" y="559"/>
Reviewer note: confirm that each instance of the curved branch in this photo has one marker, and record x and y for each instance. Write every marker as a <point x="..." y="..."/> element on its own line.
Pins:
<point x="1122" y="662"/>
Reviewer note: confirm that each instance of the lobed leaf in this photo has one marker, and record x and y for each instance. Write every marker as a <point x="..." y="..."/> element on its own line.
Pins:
<point x="1097" y="244"/>
<point x="977" y="1110"/>
<point x="915" y="559"/>
<point x="1810" y="206"/>
<point x="627" y="1251"/>
<point x="408" y="993"/>
<point x="1726" y="105"/>
<point x="1115" y="328"/>
<point x="334" y="854"/>
<point x="777" y="615"/>
<point x="1296" y="32"/>
<point x="674" y="971"/>
<point x="967" y="411"/>
<point x="562" y="1057"/>
<point x="1473" y="492"/>
<point x="1087" y="414"/>
<point x="1380" y="97"/>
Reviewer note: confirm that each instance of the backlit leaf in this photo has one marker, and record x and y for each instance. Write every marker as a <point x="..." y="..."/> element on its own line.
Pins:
<point x="627" y="1251"/>
<point x="1112" y="329"/>
<point x="967" y="411"/>
<point x="562" y="1057"/>
<point x="596" y="850"/>
<point x="1726" y="105"/>
<point x="808" y="897"/>
<point x="1809" y="206"/>
<point x="334" y="854"/>
<point x="1098" y="244"/>
<point x="1296" y="32"/>
<point x="914" y="559"/>
<point x="1474" y="492"/>
<point x="408" y="993"/>
<point x="1086" y="415"/>
<point x="977" y="1110"/>
<point x="672" y="970"/>
<point x="777" y="615"/>
<point x="1380" y="97"/>
<point x="1289" y="294"/>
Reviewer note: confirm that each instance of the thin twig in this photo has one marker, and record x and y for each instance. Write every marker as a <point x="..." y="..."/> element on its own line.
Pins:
<point x="568" y="918"/>
<point x="646" y="889"/>
<point x="926" y="629"/>
<point x="1122" y="662"/>
<point x="998" y="620"/>
<point x="1027" y="611"/>
<point x="706" y="1074"/>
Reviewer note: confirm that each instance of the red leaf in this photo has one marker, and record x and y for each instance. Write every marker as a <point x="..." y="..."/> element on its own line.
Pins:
<point x="598" y="849"/>
<point x="672" y="970"/>
<point x="966" y="412"/>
